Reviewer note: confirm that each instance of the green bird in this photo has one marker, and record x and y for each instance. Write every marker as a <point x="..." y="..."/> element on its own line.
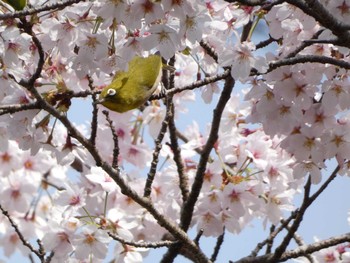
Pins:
<point x="18" y="5"/>
<point x="132" y="88"/>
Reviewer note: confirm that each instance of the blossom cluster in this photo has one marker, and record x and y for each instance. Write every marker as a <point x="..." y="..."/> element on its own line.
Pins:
<point x="305" y="104"/>
<point x="244" y="180"/>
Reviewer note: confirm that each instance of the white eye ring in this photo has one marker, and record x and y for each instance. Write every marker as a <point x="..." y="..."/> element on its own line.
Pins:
<point x="111" y="92"/>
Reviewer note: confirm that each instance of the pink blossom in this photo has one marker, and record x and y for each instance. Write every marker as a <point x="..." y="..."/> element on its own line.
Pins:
<point x="59" y="238"/>
<point x="72" y="197"/>
<point x="129" y="254"/>
<point x="18" y="190"/>
<point x="91" y="242"/>
<point x="98" y="176"/>
<point x="305" y="168"/>
<point x="241" y="60"/>
<point x="164" y="38"/>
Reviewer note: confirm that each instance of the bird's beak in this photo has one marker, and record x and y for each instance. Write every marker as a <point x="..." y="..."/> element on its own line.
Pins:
<point x="98" y="101"/>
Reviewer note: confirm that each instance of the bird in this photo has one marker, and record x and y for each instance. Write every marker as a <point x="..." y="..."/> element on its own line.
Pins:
<point x="132" y="88"/>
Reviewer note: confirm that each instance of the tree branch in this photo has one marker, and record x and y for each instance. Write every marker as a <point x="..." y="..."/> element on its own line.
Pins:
<point x="187" y="211"/>
<point x="158" y="244"/>
<point x="248" y="2"/>
<point x="194" y="85"/>
<point x="115" y="140"/>
<point x="174" y="145"/>
<point x="188" y="206"/>
<point x="9" y="109"/>
<point x="309" y="59"/>
<point x="219" y="242"/>
<point x="298" y="252"/>
<point x="304" y="44"/>
<point x="94" y="115"/>
<point x="158" y="146"/>
<point x="40" y="253"/>
<point x="284" y="224"/>
<point x="296" y="223"/>
<point x="316" y="10"/>
<point x="34" y="10"/>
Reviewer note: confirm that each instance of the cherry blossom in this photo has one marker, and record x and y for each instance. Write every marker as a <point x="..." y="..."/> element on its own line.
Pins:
<point x="258" y="103"/>
<point x="91" y="241"/>
<point x="98" y="176"/>
<point x="163" y="37"/>
<point x="129" y="254"/>
<point x="59" y="238"/>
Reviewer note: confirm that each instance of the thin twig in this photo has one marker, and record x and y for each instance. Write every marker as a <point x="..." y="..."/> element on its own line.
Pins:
<point x="309" y="59"/>
<point x="158" y="244"/>
<point x="298" y="252"/>
<point x="82" y="94"/>
<point x="219" y="242"/>
<point x="30" y="11"/>
<point x="307" y="201"/>
<point x="41" y="247"/>
<point x="304" y="44"/>
<point x="50" y="257"/>
<point x="9" y="109"/>
<point x="194" y="85"/>
<point x="324" y="185"/>
<point x="174" y="145"/>
<point x="183" y="138"/>
<point x="210" y="51"/>
<point x="155" y="159"/>
<point x="265" y="43"/>
<point x="300" y="243"/>
<point x="269" y="242"/>
<point x="284" y="224"/>
<point x="296" y="223"/>
<point x="94" y="121"/>
<point x="115" y="140"/>
<point x="248" y="2"/>
<point x="19" y="233"/>
<point x="31" y="81"/>
<point x="198" y="236"/>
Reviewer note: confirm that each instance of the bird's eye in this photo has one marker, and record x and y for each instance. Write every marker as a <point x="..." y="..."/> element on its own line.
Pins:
<point x="111" y="92"/>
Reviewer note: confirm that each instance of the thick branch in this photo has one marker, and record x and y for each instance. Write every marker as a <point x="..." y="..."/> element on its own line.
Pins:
<point x="188" y="206"/>
<point x="187" y="211"/>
